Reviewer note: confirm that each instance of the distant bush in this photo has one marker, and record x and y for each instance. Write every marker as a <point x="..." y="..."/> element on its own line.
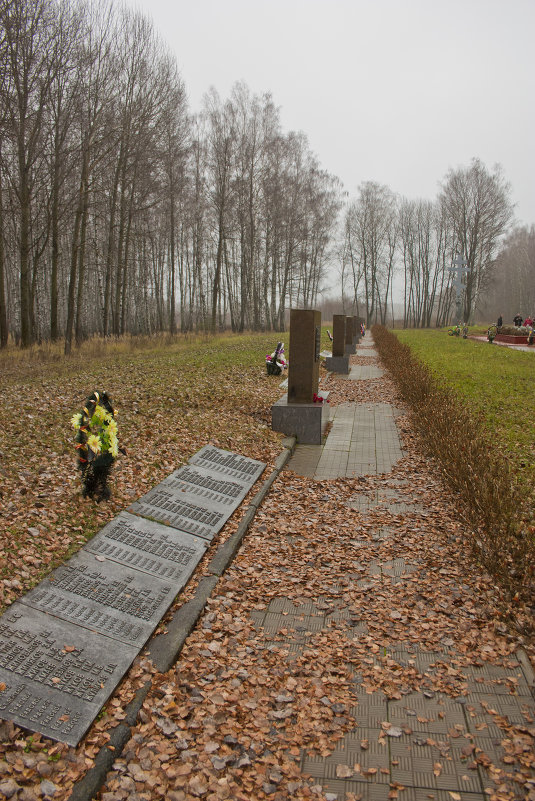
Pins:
<point x="472" y="465"/>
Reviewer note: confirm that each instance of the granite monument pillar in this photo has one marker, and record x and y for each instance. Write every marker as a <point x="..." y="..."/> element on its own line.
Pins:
<point x="350" y="345"/>
<point x="338" y="362"/>
<point x="303" y="412"/>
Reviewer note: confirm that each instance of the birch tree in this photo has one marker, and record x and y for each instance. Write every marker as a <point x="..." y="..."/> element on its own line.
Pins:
<point x="478" y="209"/>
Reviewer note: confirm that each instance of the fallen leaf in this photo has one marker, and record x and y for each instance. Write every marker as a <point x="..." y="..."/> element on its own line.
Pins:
<point x="344" y="772"/>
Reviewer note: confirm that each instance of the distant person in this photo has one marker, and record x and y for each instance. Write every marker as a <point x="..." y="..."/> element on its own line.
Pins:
<point x="528" y="322"/>
<point x="500" y="321"/>
<point x="517" y="320"/>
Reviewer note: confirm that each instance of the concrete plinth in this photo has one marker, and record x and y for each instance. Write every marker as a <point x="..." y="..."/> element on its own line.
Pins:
<point x="306" y="421"/>
<point x="337" y="364"/>
<point x="350" y="349"/>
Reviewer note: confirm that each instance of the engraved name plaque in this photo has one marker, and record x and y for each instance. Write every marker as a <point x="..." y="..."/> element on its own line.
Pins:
<point x="103" y="596"/>
<point x="228" y="463"/>
<point x="208" y="487"/>
<point x="57" y="676"/>
<point x="172" y="507"/>
<point x="67" y="643"/>
<point x="159" y="550"/>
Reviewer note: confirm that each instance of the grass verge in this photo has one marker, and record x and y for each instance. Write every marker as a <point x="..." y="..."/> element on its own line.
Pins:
<point x="469" y="451"/>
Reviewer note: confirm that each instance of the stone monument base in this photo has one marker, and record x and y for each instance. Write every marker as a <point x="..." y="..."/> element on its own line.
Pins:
<point x="307" y="421"/>
<point x="350" y="350"/>
<point x="337" y="364"/>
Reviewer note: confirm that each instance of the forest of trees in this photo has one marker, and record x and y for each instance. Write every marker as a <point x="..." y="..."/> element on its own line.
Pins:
<point x="420" y="239"/>
<point x="122" y="212"/>
<point x="512" y="290"/>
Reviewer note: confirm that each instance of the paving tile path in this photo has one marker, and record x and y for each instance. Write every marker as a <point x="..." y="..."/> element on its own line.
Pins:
<point x="362" y="371"/>
<point x="363" y="437"/>
<point x="364" y="440"/>
<point x="352" y="651"/>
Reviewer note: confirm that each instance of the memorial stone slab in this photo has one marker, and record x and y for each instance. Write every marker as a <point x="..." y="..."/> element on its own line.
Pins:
<point x="350" y="345"/>
<point x="208" y="486"/>
<point x="159" y="550"/>
<point x="57" y="675"/>
<point x="303" y="378"/>
<point x="230" y="464"/>
<point x="356" y="329"/>
<point x="100" y="595"/>
<point x="171" y="507"/>
<point x="339" y="334"/>
<point x="349" y="330"/>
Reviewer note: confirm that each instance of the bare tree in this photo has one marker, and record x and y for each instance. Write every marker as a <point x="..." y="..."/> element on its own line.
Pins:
<point x="115" y="207"/>
<point x="221" y="161"/>
<point x="370" y="228"/>
<point x="422" y="243"/>
<point x="478" y="209"/>
<point x="63" y="101"/>
<point x="512" y="286"/>
<point x="28" y="38"/>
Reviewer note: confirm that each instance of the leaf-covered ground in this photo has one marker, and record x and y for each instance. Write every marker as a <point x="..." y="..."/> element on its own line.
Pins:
<point x="303" y="629"/>
<point x="170" y="401"/>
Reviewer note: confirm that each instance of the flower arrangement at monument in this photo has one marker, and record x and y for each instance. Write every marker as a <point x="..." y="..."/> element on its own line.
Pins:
<point x="276" y="361"/>
<point x="319" y="399"/>
<point x="96" y="443"/>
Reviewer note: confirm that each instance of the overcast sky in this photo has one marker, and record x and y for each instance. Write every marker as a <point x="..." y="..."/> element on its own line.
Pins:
<point x="395" y="91"/>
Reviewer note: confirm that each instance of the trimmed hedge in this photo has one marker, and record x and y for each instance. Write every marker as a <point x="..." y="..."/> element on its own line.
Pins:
<point x="494" y="502"/>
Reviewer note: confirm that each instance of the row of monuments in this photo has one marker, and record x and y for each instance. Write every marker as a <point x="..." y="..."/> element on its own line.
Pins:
<point x="304" y="412"/>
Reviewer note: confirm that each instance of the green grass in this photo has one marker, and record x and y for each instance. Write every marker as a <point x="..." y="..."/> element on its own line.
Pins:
<point x="497" y="382"/>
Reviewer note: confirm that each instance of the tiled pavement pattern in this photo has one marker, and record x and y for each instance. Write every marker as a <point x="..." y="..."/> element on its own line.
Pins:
<point x="363" y="439"/>
<point x="431" y="746"/>
<point x="360" y="372"/>
<point x="436" y="744"/>
<point x="367" y="350"/>
<point x="384" y="497"/>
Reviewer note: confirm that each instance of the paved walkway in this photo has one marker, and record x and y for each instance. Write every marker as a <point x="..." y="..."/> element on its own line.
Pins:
<point x="424" y="744"/>
<point x="359" y="372"/>
<point x="363" y="437"/>
<point x="525" y="348"/>
<point x="351" y="652"/>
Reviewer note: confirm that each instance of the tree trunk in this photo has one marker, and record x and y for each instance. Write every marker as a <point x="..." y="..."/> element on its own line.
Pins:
<point x="74" y="257"/>
<point x="217" y="276"/>
<point x="78" y="334"/>
<point x="3" y="309"/>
